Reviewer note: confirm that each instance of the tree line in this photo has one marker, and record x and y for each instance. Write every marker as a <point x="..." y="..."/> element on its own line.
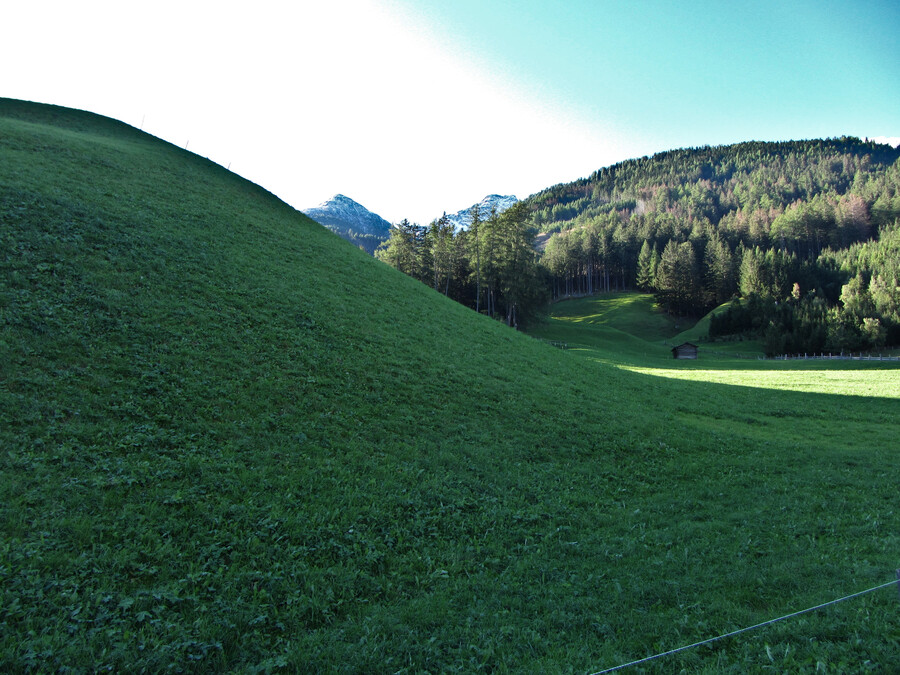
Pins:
<point x="802" y="226"/>
<point x="491" y="267"/>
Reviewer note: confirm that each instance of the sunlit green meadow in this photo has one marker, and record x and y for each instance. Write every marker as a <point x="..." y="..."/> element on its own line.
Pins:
<point x="844" y="380"/>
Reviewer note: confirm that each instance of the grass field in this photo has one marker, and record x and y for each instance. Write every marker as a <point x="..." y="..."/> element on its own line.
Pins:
<point x="233" y="442"/>
<point x="608" y="326"/>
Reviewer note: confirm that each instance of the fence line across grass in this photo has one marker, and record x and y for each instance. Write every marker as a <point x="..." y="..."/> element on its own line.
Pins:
<point x="836" y="357"/>
<point x="757" y="357"/>
<point x="802" y="357"/>
<point x="895" y="582"/>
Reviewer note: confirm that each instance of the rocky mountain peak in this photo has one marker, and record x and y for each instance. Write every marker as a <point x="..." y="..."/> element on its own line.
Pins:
<point x="351" y="220"/>
<point x="462" y="220"/>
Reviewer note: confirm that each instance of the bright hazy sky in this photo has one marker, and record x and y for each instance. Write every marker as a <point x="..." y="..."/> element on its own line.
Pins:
<point x="413" y="108"/>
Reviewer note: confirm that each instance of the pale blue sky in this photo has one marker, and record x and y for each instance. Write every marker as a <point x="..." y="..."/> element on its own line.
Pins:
<point x="669" y="74"/>
<point x="414" y="107"/>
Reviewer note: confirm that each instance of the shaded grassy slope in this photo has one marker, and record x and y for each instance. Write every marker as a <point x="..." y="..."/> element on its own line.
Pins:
<point x="630" y="325"/>
<point x="624" y="326"/>
<point x="635" y="314"/>
<point x="233" y="441"/>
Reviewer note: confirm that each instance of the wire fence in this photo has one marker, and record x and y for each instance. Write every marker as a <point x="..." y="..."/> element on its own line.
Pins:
<point x="858" y="356"/>
<point x="895" y="582"/>
<point x="836" y="357"/>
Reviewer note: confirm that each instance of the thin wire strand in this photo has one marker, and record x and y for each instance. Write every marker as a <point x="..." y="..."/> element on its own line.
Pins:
<point x="895" y="582"/>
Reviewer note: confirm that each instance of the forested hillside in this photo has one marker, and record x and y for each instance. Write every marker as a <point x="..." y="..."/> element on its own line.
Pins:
<point x="807" y="222"/>
<point x="772" y="223"/>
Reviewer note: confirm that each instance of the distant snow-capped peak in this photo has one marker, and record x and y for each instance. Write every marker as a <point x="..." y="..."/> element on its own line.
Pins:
<point x="342" y="212"/>
<point x="462" y="220"/>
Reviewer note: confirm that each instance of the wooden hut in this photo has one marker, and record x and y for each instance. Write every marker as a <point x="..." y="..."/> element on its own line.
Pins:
<point x="686" y="350"/>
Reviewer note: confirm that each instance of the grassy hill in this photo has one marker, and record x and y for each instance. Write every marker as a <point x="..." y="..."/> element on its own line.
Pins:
<point x="622" y="325"/>
<point x="231" y="441"/>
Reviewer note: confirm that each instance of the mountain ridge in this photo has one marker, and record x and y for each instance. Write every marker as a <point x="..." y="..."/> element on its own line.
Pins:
<point x="462" y="219"/>
<point x="351" y="220"/>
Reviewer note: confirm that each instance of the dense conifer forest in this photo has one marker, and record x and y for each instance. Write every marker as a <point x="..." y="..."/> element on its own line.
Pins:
<point x="802" y="236"/>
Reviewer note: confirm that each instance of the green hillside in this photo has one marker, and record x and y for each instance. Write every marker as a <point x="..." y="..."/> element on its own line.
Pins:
<point x="232" y="442"/>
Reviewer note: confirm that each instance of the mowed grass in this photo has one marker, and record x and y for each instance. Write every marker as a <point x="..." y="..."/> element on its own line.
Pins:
<point x="233" y="442"/>
<point x="867" y="381"/>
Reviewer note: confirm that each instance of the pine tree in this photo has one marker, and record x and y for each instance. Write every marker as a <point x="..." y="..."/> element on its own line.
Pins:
<point x="490" y="248"/>
<point x="719" y="272"/>
<point x="752" y="279"/>
<point x="441" y="247"/>
<point x="654" y="265"/>
<point x="402" y="250"/>
<point x="644" y="273"/>
<point x="676" y="278"/>
<point x="475" y="243"/>
<point x="521" y="286"/>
